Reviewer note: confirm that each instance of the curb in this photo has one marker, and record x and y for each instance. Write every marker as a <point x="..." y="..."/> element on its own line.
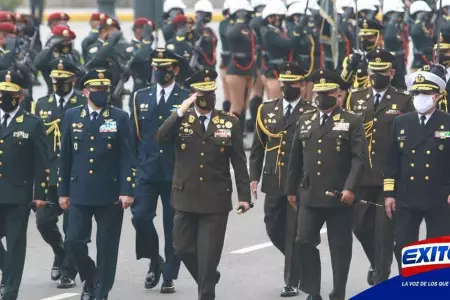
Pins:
<point x="122" y="16"/>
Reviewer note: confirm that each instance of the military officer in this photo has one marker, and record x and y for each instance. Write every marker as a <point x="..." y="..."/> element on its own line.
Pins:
<point x="421" y="31"/>
<point x="7" y="50"/>
<point x="272" y="140"/>
<point x="151" y="106"/>
<point x="171" y="9"/>
<point x="206" y="141"/>
<point x="417" y="166"/>
<point x="328" y="152"/>
<point x="378" y="105"/>
<point x="23" y="167"/>
<point x="51" y="109"/>
<point x="94" y="22"/>
<point x="96" y="179"/>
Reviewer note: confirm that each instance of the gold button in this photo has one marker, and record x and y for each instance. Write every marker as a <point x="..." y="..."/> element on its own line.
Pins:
<point x="1" y="175"/>
<point x="285" y="132"/>
<point x="412" y="165"/>
<point x="160" y="117"/>
<point x="411" y="178"/>
<point x="91" y="172"/>
<point x="91" y="149"/>
<point x="375" y="119"/>
<point x="134" y="174"/>
<point x="161" y="151"/>
<point x="319" y="162"/>
<point x="201" y="166"/>
<point x="203" y="142"/>
<point x="282" y="164"/>
<point x="1" y="152"/>
<point x="373" y="141"/>
<point x="91" y="160"/>
<point x="319" y="151"/>
<point x="282" y="153"/>
<point x="46" y="191"/>
<point x="414" y="151"/>
<point x="373" y="152"/>
<point x="59" y="179"/>
<point x="92" y="138"/>
<point x="202" y="154"/>
<point x="133" y="185"/>
<point x="319" y="141"/>
<point x="57" y="155"/>
<point x="427" y="178"/>
<point x="2" y="141"/>
<point x="428" y="151"/>
<point x="284" y="143"/>
<point x="47" y="178"/>
<point x="318" y="173"/>
<point x="43" y="184"/>
<point x="427" y="166"/>
<point x="201" y="178"/>
<point x="1" y="164"/>
<point x="374" y="130"/>
<point x="128" y="179"/>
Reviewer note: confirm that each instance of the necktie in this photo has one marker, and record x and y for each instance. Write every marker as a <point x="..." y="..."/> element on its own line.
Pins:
<point x="61" y="103"/>
<point x="288" y="113"/>
<point x="202" y="123"/>
<point x="162" y="100"/>
<point x="422" y="120"/>
<point x="324" y="119"/>
<point x="5" y="120"/>
<point x="377" y="101"/>
<point x="94" y="115"/>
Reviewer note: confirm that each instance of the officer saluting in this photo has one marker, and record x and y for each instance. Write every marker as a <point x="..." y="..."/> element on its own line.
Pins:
<point x="418" y="169"/>
<point x="378" y="105"/>
<point x="206" y="141"/>
<point x="273" y="140"/>
<point x="328" y="152"/>
<point x="51" y="110"/>
<point x="23" y="167"/>
<point x="151" y="107"/>
<point x="96" y="171"/>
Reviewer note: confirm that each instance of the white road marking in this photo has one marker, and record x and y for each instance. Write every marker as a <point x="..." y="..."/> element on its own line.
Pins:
<point x="260" y="246"/>
<point x="62" y="296"/>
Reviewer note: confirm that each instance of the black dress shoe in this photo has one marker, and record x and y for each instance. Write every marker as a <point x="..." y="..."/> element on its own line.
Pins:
<point x="314" y="297"/>
<point x="370" y="275"/>
<point x="56" y="268"/>
<point x="289" y="291"/>
<point x="167" y="287"/>
<point x="66" y="283"/>
<point x="88" y="291"/>
<point x="154" y="273"/>
<point x="217" y="277"/>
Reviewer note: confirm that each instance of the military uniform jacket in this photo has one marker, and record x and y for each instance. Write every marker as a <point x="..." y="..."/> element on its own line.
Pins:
<point x="140" y="54"/>
<point x="325" y="158"/>
<point x="156" y="162"/>
<point x="180" y="45"/>
<point x="87" y="42"/>
<point x="277" y="47"/>
<point x="202" y="179"/>
<point x="208" y="44"/>
<point x="423" y="42"/>
<point x="377" y="126"/>
<point x="303" y="47"/>
<point x="6" y="59"/>
<point x="242" y="42"/>
<point x="97" y="157"/>
<point x="47" y="109"/>
<point x="23" y="160"/>
<point x="273" y="140"/>
<point x="418" y="168"/>
<point x="225" y="51"/>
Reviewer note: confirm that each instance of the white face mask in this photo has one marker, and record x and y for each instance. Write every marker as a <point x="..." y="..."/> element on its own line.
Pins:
<point x="423" y="103"/>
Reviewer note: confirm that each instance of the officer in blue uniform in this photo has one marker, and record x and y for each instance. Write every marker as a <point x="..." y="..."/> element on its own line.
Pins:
<point x="96" y="179"/>
<point x="151" y="107"/>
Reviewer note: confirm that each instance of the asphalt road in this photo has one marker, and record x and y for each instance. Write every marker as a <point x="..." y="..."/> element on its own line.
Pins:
<point x="251" y="268"/>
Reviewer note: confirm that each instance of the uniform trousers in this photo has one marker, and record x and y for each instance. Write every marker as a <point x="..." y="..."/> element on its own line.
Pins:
<point x="375" y="231"/>
<point x="339" y="231"/>
<point x="14" y="224"/>
<point x="407" y="224"/>
<point x="109" y="226"/>
<point x="144" y="211"/>
<point x="47" y="224"/>
<point x="281" y="227"/>
<point x="198" y="241"/>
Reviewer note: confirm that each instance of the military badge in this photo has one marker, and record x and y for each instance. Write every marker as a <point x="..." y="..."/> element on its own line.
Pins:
<point x="222" y="121"/>
<point x="75" y="146"/>
<point x="441" y="147"/>
<point x="394" y="106"/>
<point x="73" y="100"/>
<point x="271" y="115"/>
<point x="215" y="120"/>
<point x="228" y="124"/>
<point x="402" y="131"/>
<point x="183" y="146"/>
<point x="401" y="144"/>
<point x="19" y="119"/>
<point x="336" y="117"/>
<point x="276" y="108"/>
<point x="191" y="119"/>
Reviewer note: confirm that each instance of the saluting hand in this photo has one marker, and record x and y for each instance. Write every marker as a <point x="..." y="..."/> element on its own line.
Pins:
<point x="127" y="201"/>
<point x="187" y="103"/>
<point x="292" y="201"/>
<point x="40" y="203"/>
<point x="347" y="197"/>
<point x="64" y="202"/>
<point x="254" y="188"/>
<point x="389" y="204"/>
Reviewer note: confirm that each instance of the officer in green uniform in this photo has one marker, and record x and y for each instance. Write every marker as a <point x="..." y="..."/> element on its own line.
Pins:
<point x="378" y="105"/>
<point x="94" y="22"/>
<point x="206" y="142"/>
<point x="272" y="140"/>
<point x="328" y="152"/>
<point x="23" y="168"/>
<point x="51" y="109"/>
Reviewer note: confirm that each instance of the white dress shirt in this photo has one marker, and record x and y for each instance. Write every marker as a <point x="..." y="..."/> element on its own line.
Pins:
<point x="91" y="110"/>
<point x="208" y="117"/>
<point x="293" y="105"/>
<point x="11" y="116"/>
<point x="167" y="91"/>
<point x="321" y="117"/>
<point x="427" y="116"/>
<point x="66" y="98"/>
<point x="380" y="93"/>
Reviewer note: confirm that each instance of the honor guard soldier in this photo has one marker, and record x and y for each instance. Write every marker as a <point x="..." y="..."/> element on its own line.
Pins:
<point x="55" y="19"/>
<point x="225" y="53"/>
<point x="51" y="109"/>
<point x="96" y="179"/>
<point x="172" y="9"/>
<point x="206" y="141"/>
<point x="94" y="22"/>
<point x="23" y="168"/>
<point x="7" y="48"/>
<point x="328" y="152"/>
<point x="421" y="34"/>
<point x="151" y="106"/>
<point x="418" y="169"/>
<point x="346" y="29"/>
<point x="378" y="105"/>
<point x="273" y="140"/>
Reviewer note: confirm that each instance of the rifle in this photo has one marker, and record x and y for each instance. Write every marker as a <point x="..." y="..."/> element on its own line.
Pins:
<point x="26" y="60"/>
<point x="357" y="25"/>
<point x="119" y="90"/>
<point x="193" y="63"/>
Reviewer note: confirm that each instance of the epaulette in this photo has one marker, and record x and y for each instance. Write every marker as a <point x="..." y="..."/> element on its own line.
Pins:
<point x="405" y="92"/>
<point x="358" y="89"/>
<point x="225" y="113"/>
<point x="310" y="111"/>
<point x="270" y="100"/>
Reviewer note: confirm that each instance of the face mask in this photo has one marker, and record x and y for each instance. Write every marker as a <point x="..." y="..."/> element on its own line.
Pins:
<point x="206" y="102"/>
<point x="62" y="87"/>
<point x="241" y="15"/>
<point x="325" y="102"/>
<point x="367" y="45"/>
<point x="8" y="102"/>
<point x="99" y="98"/>
<point x="379" y="81"/>
<point x="290" y="93"/>
<point x="423" y="103"/>
<point x="163" y="76"/>
<point x="65" y="48"/>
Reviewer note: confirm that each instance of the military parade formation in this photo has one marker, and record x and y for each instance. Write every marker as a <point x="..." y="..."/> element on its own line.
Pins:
<point x="345" y="130"/>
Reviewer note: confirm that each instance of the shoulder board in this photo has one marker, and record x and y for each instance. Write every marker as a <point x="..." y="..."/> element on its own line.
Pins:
<point x="270" y="100"/>
<point x="6" y="51"/>
<point x="310" y="111"/>
<point x="93" y="50"/>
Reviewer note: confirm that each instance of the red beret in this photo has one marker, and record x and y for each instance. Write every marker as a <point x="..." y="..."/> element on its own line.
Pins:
<point x="98" y="16"/>
<point x="7" y="16"/>
<point x="180" y="19"/>
<point x="58" y="16"/>
<point x="62" y="30"/>
<point x="7" y="27"/>
<point x="109" y="22"/>
<point x="139" y="22"/>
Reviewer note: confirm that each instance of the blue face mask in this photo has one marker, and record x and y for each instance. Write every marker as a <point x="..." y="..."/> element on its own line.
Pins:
<point x="99" y="98"/>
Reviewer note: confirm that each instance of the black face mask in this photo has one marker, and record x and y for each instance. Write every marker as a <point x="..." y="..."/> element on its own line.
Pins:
<point x="325" y="102"/>
<point x="207" y="101"/>
<point x="62" y="87"/>
<point x="65" y="49"/>
<point x="99" y="98"/>
<point x="367" y="45"/>
<point x="8" y="102"/>
<point x="241" y="16"/>
<point x="290" y="93"/>
<point x="164" y="76"/>
<point x="380" y="81"/>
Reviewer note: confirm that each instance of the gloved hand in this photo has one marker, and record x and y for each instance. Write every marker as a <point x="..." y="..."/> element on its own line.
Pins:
<point x="55" y="40"/>
<point x="355" y="59"/>
<point x="114" y="37"/>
